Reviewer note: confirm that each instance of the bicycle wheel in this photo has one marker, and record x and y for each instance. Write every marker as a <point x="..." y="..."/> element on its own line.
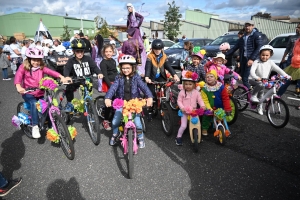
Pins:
<point x="25" y="128"/>
<point x="234" y="112"/>
<point x="100" y="106"/>
<point x="62" y="102"/>
<point x="173" y="100"/>
<point x="143" y="124"/>
<point x="93" y="122"/>
<point x="130" y="153"/>
<point x="221" y="137"/>
<point x="66" y="141"/>
<point x="280" y="115"/>
<point x="195" y="135"/>
<point x="167" y="118"/>
<point x="241" y="97"/>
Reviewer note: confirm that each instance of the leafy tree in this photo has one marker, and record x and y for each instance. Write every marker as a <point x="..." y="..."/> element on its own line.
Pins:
<point x="172" y="21"/>
<point x="66" y="34"/>
<point x="263" y="15"/>
<point x="102" y="27"/>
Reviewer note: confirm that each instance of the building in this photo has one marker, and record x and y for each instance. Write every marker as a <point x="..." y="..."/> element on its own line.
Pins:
<point x="26" y="24"/>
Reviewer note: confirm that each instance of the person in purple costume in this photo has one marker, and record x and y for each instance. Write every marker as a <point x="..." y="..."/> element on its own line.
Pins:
<point x="135" y="20"/>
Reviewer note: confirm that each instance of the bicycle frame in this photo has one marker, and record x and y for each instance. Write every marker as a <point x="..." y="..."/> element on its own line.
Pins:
<point x="218" y="123"/>
<point x="129" y="125"/>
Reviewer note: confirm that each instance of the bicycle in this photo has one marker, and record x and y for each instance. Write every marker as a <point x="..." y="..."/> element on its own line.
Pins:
<point x="171" y="95"/>
<point x="84" y="105"/>
<point x="47" y="107"/>
<point x="128" y="128"/>
<point x="275" y="107"/>
<point x="161" y="106"/>
<point x="222" y="130"/>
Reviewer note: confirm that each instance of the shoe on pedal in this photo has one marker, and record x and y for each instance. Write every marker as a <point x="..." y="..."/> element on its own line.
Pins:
<point x="260" y="110"/>
<point x="178" y="141"/>
<point x="114" y="139"/>
<point x="69" y="107"/>
<point x="141" y="140"/>
<point x="106" y="125"/>
<point x="254" y="99"/>
<point x="36" y="132"/>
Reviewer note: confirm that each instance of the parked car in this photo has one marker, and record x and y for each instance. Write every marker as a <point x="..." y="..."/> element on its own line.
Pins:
<point x="168" y="43"/>
<point x="106" y="41"/>
<point x="279" y="44"/>
<point x="174" y="52"/>
<point x="232" y="38"/>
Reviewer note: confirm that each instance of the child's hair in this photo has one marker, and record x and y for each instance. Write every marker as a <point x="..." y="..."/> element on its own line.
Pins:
<point x="100" y="42"/>
<point x="132" y="72"/>
<point x="190" y="46"/>
<point x="106" y="46"/>
<point x="27" y="64"/>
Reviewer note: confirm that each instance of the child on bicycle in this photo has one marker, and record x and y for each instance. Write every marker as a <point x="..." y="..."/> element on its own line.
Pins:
<point x="187" y="98"/>
<point x="196" y="66"/>
<point x="231" y="59"/>
<point x="185" y="54"/>
<point x="126" y="86"/>
<point x="28" y="76"/>
<point x="218" y="64"/>
<point x="80" y="65"/>
<point x="215" y="96"/>
<point x="261" y="69"/>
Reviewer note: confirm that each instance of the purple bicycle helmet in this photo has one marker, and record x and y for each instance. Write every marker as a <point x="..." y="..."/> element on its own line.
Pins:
<point x="34" y="53"/>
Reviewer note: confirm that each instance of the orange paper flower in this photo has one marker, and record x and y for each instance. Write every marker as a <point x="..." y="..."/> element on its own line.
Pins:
<point x="188" y="74"/>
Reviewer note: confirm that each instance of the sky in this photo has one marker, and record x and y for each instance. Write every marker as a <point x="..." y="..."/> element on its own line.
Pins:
<point x="114" y="11"/>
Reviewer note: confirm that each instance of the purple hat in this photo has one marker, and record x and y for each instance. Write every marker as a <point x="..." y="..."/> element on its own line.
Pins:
<point x="131" y="31"/>
<point x="199" y="55"/>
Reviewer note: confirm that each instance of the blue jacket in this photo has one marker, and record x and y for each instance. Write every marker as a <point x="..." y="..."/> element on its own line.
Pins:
<point x="136" y="83"/>
<point x="254" y="43"/>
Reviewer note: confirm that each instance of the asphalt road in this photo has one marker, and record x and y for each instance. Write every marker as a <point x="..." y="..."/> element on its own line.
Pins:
<point x="258" y="162"/>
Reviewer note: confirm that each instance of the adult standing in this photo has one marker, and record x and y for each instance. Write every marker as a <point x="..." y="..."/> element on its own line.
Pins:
<point x="76" y="36"/>
<point x="134" y="21"/>
<point x="146" y="43"/>
<point x="57" y="47"/>
<point x="248" y="46"/>
<point x="97" y="56"/>
<point x="88" y="46"/>
<point x="15" y="54"/>
<point x="26" y="44"/>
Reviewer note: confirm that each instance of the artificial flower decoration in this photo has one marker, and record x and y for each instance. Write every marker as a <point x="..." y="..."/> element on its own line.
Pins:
<point x="186" y="75"/>
<point x="24" y="119"/>
<point x="200" y="111"/>
<point x="188" y="109"/>
<point x="180" y="87"/>
<point x="219" y="113"/>
<point x="16" y="121"/>
<point x="202" y="51"/>
<point x="41" y="105"/>
<point x="208" y="112"/>
<point x="196" y="49"/>
<point x="72" y="131"/>
<point x="133" y="106"/>
<point x="194" y="76"/>
<point x="48" y="83"/>
<point x="118" y="103"/>
<point x="54" y="102"/>
<point x="193" y="113"/>
<point x="52" y="136"/>
<point x="78" y="105"/>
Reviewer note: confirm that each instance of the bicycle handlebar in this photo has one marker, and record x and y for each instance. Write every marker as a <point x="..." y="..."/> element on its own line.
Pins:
<point x="77" y="80"/>
<point x="31" y="89"/>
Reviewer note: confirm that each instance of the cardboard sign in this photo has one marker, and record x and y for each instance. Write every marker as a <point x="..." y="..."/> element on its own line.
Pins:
<point x="61" y="60"/>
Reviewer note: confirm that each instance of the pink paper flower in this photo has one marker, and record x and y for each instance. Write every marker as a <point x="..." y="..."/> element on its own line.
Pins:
<point x="49" y="84"/>
<point x="118" y="103"/>
<point x="188" y="109"/>
<point x="200" y="111"/>
<point x="194" y="113"/>
<point x="183" y="73"/>
<point x="194" y="76"/>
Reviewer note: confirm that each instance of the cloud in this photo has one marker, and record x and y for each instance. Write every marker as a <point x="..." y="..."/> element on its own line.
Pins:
<point x="235" y="4"/>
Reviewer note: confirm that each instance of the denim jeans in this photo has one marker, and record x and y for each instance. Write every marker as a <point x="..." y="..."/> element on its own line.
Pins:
<point x="29" y="98"/>
<point x="117" y="121"/>
<point x="4" y="73"/>
<point x="245" y="71"/>
<point x="3" y="181"/>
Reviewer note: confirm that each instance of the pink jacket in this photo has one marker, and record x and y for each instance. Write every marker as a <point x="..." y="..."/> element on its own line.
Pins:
<point x="27" y="80"/>
<point x="184" y="99"/>
<point x="222" y="70"/>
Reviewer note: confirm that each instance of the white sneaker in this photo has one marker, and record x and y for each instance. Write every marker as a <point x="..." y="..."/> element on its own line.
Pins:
<point x="254" y="99"/>
<point x="36" y="132"/>
<point x="260" y="110"/>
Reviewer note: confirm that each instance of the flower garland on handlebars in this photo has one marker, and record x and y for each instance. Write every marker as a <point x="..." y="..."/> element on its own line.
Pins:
<point x="53" y="136"/>
<point x="48" y="83"/>
<point x="192" y="113"/>
<point x="79" y="103"/>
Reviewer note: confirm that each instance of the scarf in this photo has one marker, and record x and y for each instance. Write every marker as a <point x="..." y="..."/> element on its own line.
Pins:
<point x="158" y="61"/>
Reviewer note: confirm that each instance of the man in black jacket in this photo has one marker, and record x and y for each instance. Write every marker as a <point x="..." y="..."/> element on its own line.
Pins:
<point x="248" y="46"/>
<point x="88" y="46"/>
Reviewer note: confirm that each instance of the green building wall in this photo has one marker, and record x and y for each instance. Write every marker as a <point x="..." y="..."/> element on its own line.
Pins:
<point x="199" y="17"/>
<point x="28" y="23"/>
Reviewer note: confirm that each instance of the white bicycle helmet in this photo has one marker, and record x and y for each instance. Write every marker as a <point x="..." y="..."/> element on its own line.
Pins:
<point x="267" y="47"/>
<point x="224" y="46"/>
<point x="127" y="59"/>
<point x="69" y="52"/>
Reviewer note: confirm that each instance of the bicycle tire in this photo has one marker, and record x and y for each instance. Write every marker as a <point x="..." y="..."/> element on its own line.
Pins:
<point x="27" y="130"/>
<point x="130" y="153"/>
<point x="100" y="106"/>
<point x="143" y="124"/>
<point x="221" y="137"/>
<point x="62" y="100"/>
<point x="269" y="113"/>
<point x="195" y="135"/>
<point x="92" y="117"/>
<point x="241" y="97"/>
<point x="173" y="102"/>
<point x="231" y="119"/>
<point x="167" y="118"/>
<point x="66" y="142"/>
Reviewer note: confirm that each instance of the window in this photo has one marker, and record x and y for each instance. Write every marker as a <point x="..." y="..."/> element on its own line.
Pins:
<point x="280" y="42"/>
<point x="231" y="39"/>
<point x="168" y="43"/>
<point x="198" y="43"/>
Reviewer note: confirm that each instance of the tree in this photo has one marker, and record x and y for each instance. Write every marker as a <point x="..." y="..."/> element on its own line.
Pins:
<point x="102" y="27"/>
<point x="172" y="21"/>
<point x="66" y="33"/>
<point x="263" y="15"/>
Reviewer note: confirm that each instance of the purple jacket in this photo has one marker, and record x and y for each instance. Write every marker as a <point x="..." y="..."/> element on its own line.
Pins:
<point x="117" y="88"/>
<point x="129" y="47"/>
<point x="131" y="23"/>
<point x="27" y="80"/>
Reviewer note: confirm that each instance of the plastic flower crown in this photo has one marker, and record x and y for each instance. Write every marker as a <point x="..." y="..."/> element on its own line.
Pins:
<point x="189" y="76"/>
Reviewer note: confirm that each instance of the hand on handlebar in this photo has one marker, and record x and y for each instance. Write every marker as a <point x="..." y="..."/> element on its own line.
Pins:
<point x="100" y="76"/>
<point x="21" y="90"/>
<point x="149" y="102"/>
<point x="176" y="78"/>
<point x="148" y="80"/>
<point x="107" y="102"/>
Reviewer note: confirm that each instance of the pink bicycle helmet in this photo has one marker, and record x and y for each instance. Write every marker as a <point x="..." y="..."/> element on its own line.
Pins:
<point x="34" y="53"/>
<point x="224" y="46"/>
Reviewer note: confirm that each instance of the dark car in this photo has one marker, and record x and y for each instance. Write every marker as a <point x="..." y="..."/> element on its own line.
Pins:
<point x="213" y="48"/>
<point x="174" y="52"/>
<point x="106" y="41"/>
